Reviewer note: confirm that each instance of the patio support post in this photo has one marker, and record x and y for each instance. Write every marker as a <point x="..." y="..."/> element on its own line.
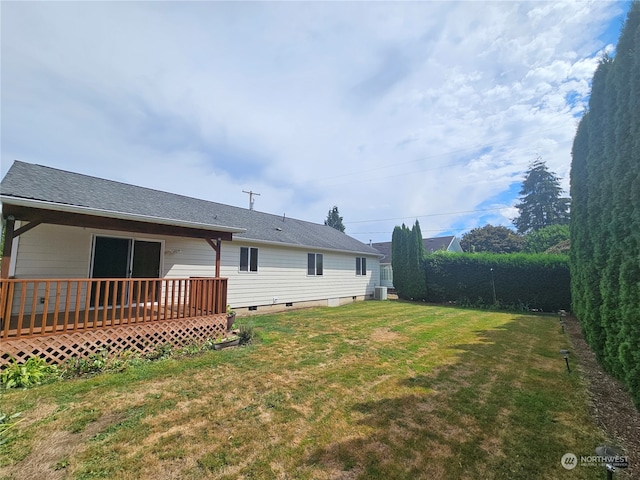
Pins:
<point x="6" y="251"/>
<point x="217" y="246"/>
<point x="218" y="250"/>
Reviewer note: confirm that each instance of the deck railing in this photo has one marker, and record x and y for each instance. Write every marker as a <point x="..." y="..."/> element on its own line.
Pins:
<point x="31" y="307"/>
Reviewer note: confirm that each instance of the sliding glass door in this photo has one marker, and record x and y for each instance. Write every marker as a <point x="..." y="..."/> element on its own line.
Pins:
<point x="119" y="258"/>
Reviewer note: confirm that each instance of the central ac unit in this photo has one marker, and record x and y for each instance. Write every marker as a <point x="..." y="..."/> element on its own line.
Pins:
<point x="380" y="293"/>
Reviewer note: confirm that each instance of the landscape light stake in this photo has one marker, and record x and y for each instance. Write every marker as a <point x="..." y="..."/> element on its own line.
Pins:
<point x="562" y="315"/>
<point x="610" y="471"/>
<point x="566" y="358"/>
<point x="612" y="458"/>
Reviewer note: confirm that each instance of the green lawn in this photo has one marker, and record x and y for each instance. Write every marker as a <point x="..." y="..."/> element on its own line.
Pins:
<point x="372" y="390"/>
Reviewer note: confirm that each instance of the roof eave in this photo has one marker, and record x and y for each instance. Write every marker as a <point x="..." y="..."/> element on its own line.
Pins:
<point x="60" y="207"/>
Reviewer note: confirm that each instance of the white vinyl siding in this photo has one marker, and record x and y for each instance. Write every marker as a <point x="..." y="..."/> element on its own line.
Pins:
<point x="53" y="251"/>
<point x="284" y="277"/>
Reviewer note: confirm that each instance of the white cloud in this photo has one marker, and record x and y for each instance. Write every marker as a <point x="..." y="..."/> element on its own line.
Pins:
<point x="388" y="110"/>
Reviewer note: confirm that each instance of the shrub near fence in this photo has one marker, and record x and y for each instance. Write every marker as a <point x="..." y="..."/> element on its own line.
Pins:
<point x="522" y="281"/>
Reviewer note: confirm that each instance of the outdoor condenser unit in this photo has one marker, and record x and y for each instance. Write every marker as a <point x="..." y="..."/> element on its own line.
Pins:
<point x="380" y="293"/>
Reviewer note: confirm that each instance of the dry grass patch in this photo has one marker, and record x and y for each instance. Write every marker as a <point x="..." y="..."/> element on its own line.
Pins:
<point x="384" y="335"/>
<point x="54" y="448"/>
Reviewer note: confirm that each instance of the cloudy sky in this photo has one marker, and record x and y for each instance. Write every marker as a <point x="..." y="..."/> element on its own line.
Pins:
<point x="393" y="111"/>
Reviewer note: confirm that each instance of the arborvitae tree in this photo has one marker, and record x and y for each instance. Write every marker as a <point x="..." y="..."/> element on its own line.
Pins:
<point x="541" y="203"/>
<point x="400" y="259"/>
<point x="580" y="238"/>
<point x="605" y="210"/>
<point x="407" y="254"/>
<point x="334" y="219"/>
<point x="492" y="239"/>
<point x="416" y="288"/>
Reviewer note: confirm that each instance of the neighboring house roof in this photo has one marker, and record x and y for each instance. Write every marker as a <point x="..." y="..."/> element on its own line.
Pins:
<point x="385" y="250"/>
<point x="437" y="243"/>
<point x="53" y="189"/>
<point x="430" y="245"/>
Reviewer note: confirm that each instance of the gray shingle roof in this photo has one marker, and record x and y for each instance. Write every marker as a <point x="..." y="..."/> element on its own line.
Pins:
<point x="430" y="245"/>
<point x="437" y="243"/>
<point x="46" y="184"/>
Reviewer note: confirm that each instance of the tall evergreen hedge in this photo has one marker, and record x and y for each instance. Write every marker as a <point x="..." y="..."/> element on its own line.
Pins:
<point x="527" y="281"/>
<point x="605" y="211"/>
<point x="407" y="252"/>
<point x="400" y="259"/>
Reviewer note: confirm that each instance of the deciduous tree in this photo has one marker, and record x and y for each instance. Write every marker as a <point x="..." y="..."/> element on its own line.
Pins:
<point x="492" y="239"/>
<point x="541" y="240"/>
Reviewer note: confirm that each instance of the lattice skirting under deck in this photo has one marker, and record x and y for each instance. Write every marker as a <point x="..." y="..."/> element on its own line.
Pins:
<point x="142" y="338"/>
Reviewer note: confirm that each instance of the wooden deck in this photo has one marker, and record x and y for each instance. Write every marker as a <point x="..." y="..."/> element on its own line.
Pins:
<point x="62" y="318"/>
<point x="32" y="307"/>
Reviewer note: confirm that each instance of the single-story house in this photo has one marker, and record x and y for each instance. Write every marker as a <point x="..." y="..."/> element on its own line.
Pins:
<point x="448" y="243"/>
<point x="84" y="254"/>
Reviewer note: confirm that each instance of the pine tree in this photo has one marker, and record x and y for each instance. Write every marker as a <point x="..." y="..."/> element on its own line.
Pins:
<point x="541" y="203"/>
<point x="334" y="220"/>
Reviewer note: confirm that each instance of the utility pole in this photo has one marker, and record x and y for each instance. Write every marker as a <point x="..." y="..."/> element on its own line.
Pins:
<point x="251" y="194"/>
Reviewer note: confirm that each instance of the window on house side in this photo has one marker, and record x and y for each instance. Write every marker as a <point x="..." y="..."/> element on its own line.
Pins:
<point x="361" y="266"/>
<point x="248" y="259"/>
<point x="314" y="264"/>
<point x="384" y="274"/>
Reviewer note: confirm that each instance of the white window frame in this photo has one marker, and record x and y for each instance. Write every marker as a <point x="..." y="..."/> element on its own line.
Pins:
<point x="250" y="267"/>
<point x="316" y="256"/>
<point x="361" y="266"/>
